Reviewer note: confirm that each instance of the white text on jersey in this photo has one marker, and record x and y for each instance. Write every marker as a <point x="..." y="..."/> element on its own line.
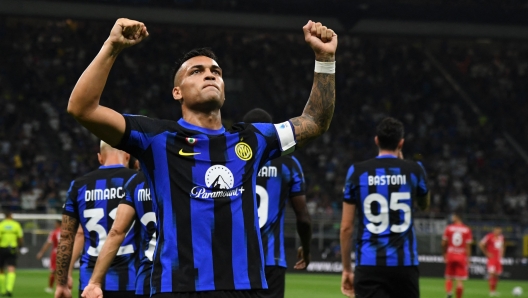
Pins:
<point x="387" y="180"/>
<point x="104" y="194"/>
<point x="144" y="195"/>
<point x="268" y="172"/>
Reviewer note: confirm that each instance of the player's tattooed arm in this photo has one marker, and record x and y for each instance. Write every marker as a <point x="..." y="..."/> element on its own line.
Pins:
<point x="64" y="250"/>
<point x="319" y="110"/>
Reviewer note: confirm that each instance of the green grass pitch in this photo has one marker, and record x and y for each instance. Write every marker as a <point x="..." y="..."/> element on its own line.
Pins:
<point x="31" y="284"/>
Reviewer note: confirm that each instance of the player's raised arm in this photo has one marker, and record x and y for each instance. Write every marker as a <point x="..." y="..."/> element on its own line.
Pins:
<point x="124" y="218"/>
<point x="318" y="112"/>
<point x="64" y="251"/>
<point x="105" y="123"/>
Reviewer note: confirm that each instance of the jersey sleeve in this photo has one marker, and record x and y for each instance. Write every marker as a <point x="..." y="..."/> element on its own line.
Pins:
<point x="422" y="188"/>
<point x="485" y="240"/>
<point x="139" y="133"/>
<point x="70" y="207"/>
<point x="20" y="232"/>
<point x="130" y="192"/>
<point x="297" y="187"/>
<point x="445" y="236"/>
<point x="348" y="191"/>
<point x="280" y="138"/>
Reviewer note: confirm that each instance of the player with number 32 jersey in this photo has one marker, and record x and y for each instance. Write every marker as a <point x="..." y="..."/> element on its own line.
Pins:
<point x="93" y="200"/>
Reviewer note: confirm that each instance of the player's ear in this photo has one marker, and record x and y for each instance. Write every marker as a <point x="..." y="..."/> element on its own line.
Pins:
<point x="400" y="144"/>
<point x="100" y="158"/>
<point x="176" y="93"/>
<point x="376" y="141"/>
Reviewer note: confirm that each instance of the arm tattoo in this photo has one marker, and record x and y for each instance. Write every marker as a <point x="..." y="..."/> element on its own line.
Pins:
<point x="319" y="110"/>
<point x="64" y="250"/>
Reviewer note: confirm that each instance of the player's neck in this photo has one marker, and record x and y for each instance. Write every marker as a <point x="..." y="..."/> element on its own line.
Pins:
<point x="388" y="152"/>
<point x="209" y="120"/>
<point x="112" y="160"/>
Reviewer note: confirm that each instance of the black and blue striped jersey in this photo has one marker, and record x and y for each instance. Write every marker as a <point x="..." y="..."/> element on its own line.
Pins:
<point x="384" y="190"/>
<point x="203" y="182"/>
<point x="93" y="199"/>
<point x="277" y="181"/>
<point x="138" y="197"/>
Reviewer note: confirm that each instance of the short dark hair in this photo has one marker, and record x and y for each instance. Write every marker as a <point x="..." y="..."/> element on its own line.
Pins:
<point x="458" y="214"/>
<point x="207" y="52"/>
<point x="257" y="116"/>
<point x="389" y="133"/>
<point x="7" y="212"/>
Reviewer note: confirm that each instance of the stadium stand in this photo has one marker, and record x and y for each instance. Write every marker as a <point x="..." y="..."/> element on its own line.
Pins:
<point x="470" y="165"/>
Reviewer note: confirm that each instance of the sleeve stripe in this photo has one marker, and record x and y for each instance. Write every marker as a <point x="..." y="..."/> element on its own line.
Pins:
<point x="285" y="135"/>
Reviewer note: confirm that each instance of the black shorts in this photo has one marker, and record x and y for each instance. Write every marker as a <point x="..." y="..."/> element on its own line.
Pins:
<point x="210" y="294"/>
<point x="276" y="277"/>
<point x="386" y="282"/>
<point x="116" y="294"/>
<point x="8" y="256"/>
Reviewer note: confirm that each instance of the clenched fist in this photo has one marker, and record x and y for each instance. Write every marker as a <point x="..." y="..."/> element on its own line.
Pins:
<point x="127" y="33"/>
<point x="322" y="40"/>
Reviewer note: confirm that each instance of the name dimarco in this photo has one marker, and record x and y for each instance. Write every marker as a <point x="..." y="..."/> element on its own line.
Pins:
<point x="387" y="180"/>
<point x="104" y="194"/>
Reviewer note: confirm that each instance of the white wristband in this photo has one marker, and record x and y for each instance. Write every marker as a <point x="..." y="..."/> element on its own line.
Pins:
<point x="325" y="67"/>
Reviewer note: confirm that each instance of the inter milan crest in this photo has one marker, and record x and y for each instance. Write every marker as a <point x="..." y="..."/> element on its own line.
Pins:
<point x="243" y="151"/>
<point x="191" y="141"/>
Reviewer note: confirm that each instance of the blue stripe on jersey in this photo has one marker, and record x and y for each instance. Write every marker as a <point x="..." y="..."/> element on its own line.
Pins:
<point x="392" y="251"/>
<point x="239" y="241"/>
<point x="297" y="177"/>
<point x="415" y="249"/>
<point x="261" y="147"/>
<point x="169" y="220"/>
<point x="382" y="244"/>
<point x="368" y="252"/>
<point x="347" y="191"/>
<point x="202" y="219"/>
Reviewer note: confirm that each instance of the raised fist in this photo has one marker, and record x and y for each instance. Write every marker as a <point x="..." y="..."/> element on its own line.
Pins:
<point x="322" y="40"/>
<point x="127" y="33"/>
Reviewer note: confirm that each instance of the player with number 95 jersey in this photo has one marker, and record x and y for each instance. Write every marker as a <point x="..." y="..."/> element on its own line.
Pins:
<point x="92" y="202"/>
<point x="382" y="192"/>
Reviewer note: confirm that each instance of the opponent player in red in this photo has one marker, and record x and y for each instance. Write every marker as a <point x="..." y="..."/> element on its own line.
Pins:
<point x="456" y="246"/>
<point x="492" y="245"/>
<point x="53" y="240"/>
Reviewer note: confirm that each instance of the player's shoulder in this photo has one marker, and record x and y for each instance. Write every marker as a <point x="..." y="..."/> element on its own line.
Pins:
<point x="266" y="129"/>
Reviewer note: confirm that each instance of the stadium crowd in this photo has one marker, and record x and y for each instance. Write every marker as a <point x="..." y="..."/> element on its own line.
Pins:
<point x="471" y="166"/>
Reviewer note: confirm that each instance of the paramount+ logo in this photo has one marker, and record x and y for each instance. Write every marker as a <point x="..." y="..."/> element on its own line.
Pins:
<point x="243" y="151"/>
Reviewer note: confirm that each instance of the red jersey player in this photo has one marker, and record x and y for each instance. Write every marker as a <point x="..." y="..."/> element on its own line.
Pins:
<point x="456" y="246"/>
<point x="492" y="245"/>
<point x="53" y="240"/>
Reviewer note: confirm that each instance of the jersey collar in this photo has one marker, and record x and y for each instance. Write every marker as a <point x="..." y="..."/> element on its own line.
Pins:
<point x="111" y="167"/>
<point x="206" y="131"/>
<point x="386" y="156"/>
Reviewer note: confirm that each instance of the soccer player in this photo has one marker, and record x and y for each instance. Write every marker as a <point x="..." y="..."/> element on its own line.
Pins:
<point x="53" y="241"/>
<point x="203" y="176"/>
<point x="383" y="192"/>
<point x="10" y="240"/>
<point x="92" y="203"/>
<point x="456" y="248"/>
<point x="492" y="245"/>
<point x="137" y="205"/>
<point x="278" y="181"/>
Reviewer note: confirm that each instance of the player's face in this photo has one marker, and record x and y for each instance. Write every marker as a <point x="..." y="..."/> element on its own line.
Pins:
<point x="497" y="231"/>
<point x="199" y="84"/>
